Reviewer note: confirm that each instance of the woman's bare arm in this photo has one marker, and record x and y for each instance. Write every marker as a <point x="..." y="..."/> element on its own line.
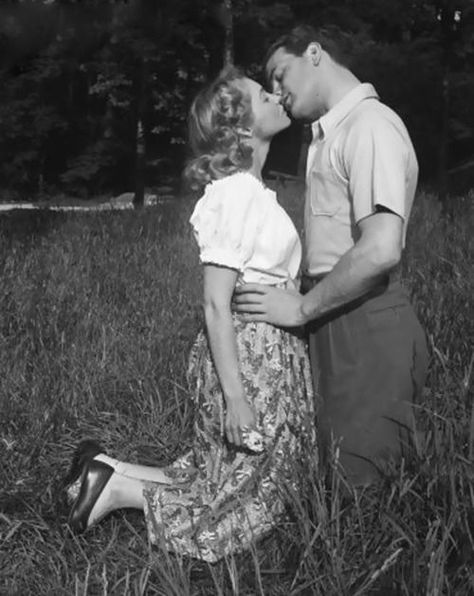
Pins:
<point x="219" y="284"/>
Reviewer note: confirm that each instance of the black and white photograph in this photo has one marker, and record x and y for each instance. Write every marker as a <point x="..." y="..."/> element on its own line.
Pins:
<point x="236" y="297"/>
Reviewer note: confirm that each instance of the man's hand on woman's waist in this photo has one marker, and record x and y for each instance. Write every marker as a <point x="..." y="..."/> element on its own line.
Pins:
<point x="277" y="306"/>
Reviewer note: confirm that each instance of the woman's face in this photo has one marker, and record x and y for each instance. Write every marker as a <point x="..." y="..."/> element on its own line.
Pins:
<point x="269" y="115"/>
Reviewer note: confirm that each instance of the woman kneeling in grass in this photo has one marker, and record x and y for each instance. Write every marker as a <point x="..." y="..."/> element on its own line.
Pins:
<point x="250" y="381"/>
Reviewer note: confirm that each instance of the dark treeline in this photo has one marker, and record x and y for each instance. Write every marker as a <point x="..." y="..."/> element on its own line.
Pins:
<point x="94" y="93"/>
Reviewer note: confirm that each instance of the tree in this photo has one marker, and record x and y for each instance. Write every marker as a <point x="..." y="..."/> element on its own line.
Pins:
<point x="94" y="95"/>
<point x="224" y="13"/>
<point x="449" y="15"/>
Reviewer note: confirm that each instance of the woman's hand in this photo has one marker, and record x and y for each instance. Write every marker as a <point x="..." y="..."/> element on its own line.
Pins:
<point x="240" y="415"/>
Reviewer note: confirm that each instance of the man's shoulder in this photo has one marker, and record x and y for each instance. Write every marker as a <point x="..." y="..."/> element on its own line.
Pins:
<point x="372" y="119"/>
<point x="372" y="112"/>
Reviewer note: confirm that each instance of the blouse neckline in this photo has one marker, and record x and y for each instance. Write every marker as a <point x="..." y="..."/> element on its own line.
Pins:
<point x="245" y="173"/>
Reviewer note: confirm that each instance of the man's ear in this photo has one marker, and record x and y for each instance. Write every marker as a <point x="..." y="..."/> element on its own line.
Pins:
<point x="314" y="53"/>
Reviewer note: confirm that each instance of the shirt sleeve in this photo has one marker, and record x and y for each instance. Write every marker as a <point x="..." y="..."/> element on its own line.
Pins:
<point x="376" y="158"/>
<point x="226" y="222"/>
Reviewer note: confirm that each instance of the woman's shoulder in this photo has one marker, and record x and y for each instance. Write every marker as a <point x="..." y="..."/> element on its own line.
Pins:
<point x="233" y="195"/>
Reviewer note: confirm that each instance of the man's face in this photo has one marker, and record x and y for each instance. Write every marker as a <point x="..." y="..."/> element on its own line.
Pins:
<point x="294" y="79"/>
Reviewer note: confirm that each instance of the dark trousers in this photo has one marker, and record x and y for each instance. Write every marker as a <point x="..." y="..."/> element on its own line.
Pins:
<point x="369" y="363"/>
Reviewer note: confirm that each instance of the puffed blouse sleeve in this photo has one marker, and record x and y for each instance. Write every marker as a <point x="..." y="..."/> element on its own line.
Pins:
<point x="226" y="221"/>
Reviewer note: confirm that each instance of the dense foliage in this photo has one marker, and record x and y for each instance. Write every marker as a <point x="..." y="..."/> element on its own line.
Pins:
<point x="89" y="87"/>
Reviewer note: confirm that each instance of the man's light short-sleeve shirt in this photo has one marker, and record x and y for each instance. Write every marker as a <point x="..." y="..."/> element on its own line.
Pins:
<point x="361" y="157"/>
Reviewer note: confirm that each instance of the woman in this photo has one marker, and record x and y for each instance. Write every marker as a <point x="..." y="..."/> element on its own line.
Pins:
<point x="251" y="382"/>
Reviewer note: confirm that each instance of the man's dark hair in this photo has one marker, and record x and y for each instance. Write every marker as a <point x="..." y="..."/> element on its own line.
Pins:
<point x="332" y="40"/>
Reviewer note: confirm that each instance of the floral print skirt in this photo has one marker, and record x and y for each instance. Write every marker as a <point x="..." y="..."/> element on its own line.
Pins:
<point x="223" y="498"/>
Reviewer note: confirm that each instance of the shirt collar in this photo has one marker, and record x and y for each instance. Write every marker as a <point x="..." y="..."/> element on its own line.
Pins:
<point x="338" y="112"/>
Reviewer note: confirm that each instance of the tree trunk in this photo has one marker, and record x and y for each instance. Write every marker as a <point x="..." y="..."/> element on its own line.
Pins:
<point x="229" y="32"/>
<point x="140" y="149"/>
<point x="449" y="19"/>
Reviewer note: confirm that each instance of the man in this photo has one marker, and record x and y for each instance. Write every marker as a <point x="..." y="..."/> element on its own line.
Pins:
<point x="367" y="348"/>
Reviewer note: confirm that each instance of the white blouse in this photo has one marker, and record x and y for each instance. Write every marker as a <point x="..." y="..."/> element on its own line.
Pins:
<point x="238" y="223"/>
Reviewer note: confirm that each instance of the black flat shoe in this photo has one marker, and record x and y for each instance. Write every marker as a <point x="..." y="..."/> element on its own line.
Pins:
<point x="94" y="477"/>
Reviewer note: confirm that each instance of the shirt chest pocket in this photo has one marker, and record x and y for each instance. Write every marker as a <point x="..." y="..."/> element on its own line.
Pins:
<point x="325" y="192"/>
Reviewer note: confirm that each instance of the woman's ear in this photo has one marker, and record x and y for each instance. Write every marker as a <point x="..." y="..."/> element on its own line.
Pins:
<point x="314" y="53"/>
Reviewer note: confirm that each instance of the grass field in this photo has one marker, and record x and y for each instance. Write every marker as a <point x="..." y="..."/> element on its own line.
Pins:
<point x="98" y="312"/>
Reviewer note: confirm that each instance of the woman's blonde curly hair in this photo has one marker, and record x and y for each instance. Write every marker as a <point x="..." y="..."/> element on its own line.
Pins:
<point x="218" y="125"/>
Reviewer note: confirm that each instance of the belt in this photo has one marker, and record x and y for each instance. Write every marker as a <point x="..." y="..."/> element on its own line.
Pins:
<point x="309" y="281"/>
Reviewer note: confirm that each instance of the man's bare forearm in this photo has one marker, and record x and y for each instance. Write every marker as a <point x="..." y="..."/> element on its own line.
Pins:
<point x="377" y="252"/>
<point x="354" y="275"/>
